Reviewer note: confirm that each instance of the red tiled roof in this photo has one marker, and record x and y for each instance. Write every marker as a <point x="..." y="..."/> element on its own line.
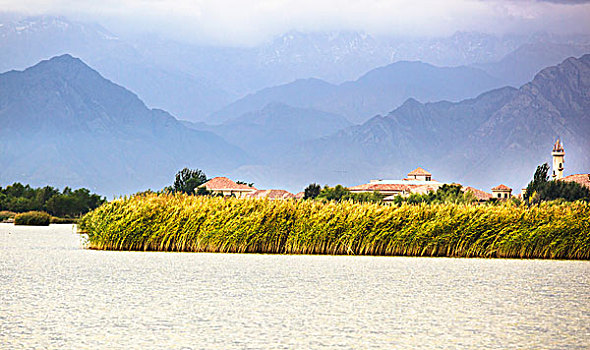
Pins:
<point x="300" y="195"/>
<point x="501" y="188"/>
<point x="223" y="183"/>
<point x="479" y="194"/>
<point x="424" y="189"/>
<point x="419" y="171"/>
<point x="271" y="194"/>
<point x="381" y="187"/>
<point x="582" y="179"/>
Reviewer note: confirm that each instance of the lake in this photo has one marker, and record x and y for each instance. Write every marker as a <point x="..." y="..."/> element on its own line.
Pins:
<point x="55" y="294"/>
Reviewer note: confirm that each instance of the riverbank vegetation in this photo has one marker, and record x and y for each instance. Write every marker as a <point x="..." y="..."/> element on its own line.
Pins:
<point x="166" y="222"/>
<point x="6" y="216"/>
<point x="68" y="203"/>
<point x="33" y="218"/>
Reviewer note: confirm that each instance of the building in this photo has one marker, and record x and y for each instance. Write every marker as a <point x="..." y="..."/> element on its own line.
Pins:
<point x="300" y="195"/>
<point x="582" y="179"/>
<point x="417" y="181"/>
<point x="501" y="192"/>
<point x="558" y="155"/>
<point x="227" y="188"/>
<point x="420" y="175"/>
<point x="270" y="194"/>
<point x="558" y="161"/>
<point x="480" y="195"/>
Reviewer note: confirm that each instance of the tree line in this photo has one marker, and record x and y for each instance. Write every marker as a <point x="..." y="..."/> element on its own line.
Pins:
<point x="70" y="203"/>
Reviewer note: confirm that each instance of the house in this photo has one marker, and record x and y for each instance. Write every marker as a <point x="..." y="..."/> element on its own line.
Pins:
<point x="582" y="179"/>
<point x="501" y="192"/>
<point x="300" y="195"/>
<point x="420" y="175"/>
<point x="226" y="187"/>
<point x="383" y="188"/>
<point x="417" y="181"/>
<point x="270" y="194"/>
<point x="480" y="195"/>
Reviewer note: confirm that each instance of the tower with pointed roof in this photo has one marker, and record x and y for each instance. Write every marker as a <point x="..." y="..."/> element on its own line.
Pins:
<point x="558" y="155"/>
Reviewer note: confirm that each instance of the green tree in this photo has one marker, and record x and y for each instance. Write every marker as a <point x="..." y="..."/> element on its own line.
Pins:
<point x="542" y="189"/>
<point x="202" y="191"/>
<point x="312" y="191"/>
<point x="337" y="193"/>
<point x="187" y="180"/>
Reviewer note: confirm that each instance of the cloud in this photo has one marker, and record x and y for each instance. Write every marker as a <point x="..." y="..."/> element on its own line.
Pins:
<point x="250" y="21"/>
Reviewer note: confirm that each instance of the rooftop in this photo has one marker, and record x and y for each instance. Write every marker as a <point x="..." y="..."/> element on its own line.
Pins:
<point x="479" y="194"/>
<point x="557" y="147"/>
<point x="582" y="179"/>
<point x="223" y="183"/>
<point x="501" y="188"/>
<point x="411" y="182"/>
<point x="424" y="189"/>
<point x="271" y="194"/>
<point x="382" y="187"/>
<point x="419" y="171"/>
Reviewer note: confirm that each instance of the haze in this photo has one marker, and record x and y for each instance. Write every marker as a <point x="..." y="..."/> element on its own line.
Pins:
<point x="245" y="23"/>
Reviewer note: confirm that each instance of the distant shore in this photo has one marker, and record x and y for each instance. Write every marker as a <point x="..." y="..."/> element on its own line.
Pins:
<point x="205" y="224"/>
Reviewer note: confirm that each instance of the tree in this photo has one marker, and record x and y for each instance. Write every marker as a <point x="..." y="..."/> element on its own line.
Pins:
<point x="187" y="180"/>
<point x="312" y="191"/>
<point x="337" y="193"/>
<point x="541" y="189"/>
<point x="202" y="191"/>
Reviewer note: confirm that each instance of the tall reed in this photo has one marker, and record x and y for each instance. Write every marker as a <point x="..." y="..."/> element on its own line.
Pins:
<point x="212" y="224"/>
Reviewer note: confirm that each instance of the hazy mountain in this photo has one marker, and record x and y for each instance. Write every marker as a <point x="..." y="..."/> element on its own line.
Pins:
<point x="187" y="94"/>
<point x="276" y="129"/>
<point x="302" y="93"/>
<point x="387" y="87"/>
<point x="62" y="124"/>
<point x="517" y="136"/>
<point x="192" y="81"/>
<point x="377" y="91"/>
<point x="521" y="65"/>
<point x="497" y="137"/>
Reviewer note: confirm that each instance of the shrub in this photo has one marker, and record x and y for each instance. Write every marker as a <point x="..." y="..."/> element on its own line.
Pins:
<point x="56" y="220"/>
<point x="33" y="218"/>
<point x="6" y="215"/>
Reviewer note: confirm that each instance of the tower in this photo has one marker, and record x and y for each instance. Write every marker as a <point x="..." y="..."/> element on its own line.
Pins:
<point x="558" y="154"/>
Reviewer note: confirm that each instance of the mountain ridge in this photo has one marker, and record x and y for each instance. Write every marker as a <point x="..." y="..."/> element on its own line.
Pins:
<point x="376" y="91"/>
<point x="64" y="124"/>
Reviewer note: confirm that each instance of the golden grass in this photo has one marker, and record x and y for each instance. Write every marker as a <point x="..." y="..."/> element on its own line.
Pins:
<point x="213" y="224"/>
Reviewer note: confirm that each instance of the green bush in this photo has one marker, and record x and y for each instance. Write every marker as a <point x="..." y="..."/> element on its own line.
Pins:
<point x="33" y="218"/>
<point x="6" y="215"/>
<point x="56" y="220"/>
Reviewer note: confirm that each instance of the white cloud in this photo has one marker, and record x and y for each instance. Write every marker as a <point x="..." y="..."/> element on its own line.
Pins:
<point x="246" y="21"/>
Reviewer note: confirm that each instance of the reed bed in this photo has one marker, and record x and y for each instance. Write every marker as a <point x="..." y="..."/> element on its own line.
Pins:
<point x="153" y="222"/>
<point x="33" y="218"/>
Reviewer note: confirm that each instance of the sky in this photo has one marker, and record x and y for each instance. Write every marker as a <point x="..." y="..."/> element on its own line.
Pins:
<point x="247" y="22"/>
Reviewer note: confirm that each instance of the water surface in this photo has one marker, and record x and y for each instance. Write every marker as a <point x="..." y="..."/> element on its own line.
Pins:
<point x="54" y="294"/>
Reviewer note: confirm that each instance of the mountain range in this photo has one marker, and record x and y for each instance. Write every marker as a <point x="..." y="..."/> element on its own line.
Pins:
<point x="62" y="123"/>
<point x="377" y="91"/>
<point x="193" y="81"/>
<point x="499" y="136"/>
